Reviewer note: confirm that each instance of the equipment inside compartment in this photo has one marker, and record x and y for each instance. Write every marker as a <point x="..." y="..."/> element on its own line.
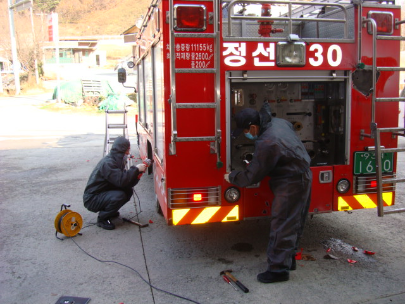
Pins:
<point x="317" y="111"/>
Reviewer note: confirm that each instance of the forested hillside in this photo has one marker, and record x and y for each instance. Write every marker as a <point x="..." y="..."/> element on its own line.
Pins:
<point x="77" y="17"/>
<point x="98" y="17"/>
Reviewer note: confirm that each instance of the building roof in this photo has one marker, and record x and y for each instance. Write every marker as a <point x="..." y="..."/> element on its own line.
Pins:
<point x="132" y="30"/>
<point x="73" y="43"/>
<point x="130" y="34"/>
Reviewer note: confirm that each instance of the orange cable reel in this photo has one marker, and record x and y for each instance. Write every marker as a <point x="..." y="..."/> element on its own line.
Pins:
<point x="68" y="222"/>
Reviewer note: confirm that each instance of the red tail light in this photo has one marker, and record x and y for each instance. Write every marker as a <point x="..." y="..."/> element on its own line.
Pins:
<point x="373" y="184"/>
<point x="384" y="20"/>
<point x="190" y="18"/>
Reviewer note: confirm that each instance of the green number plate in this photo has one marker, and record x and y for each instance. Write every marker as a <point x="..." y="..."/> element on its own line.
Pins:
<point x="364" y="162"/>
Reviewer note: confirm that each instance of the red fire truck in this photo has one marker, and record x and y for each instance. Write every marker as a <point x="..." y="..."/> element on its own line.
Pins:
<point x="331" y="68"/>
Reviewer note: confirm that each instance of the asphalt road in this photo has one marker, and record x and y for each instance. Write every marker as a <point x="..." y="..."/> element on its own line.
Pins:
<point x="45" y="160"/>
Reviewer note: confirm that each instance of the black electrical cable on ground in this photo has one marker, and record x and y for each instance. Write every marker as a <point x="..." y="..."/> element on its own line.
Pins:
<point x="126" y="266"/>
<point x="139" y="201"/>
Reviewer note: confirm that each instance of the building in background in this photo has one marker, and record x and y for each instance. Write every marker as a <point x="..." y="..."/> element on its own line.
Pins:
<point x="130" y="34"/>
<point x="74" y="52"/>
<point x="5" y="65"/>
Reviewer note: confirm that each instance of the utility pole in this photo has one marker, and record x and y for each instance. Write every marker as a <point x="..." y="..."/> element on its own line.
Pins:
<point x="35" y="45"/>
<point x="16" y="63"/>
<point x="53" y="31"/>
<point x="1" y="82"/>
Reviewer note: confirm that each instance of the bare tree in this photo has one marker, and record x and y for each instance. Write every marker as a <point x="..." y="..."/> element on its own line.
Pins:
<point x="31" y="32"/>
<point x="46" y="6"/>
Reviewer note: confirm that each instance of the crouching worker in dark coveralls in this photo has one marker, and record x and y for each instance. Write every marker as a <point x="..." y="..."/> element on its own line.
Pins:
<point x="280" y="154"/>
<point x="110" y="185"/>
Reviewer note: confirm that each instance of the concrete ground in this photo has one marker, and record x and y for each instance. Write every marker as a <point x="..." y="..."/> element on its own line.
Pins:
<point x="45" y="161"/>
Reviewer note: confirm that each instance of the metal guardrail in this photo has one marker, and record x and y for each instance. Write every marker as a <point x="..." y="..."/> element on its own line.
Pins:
<point x="289" y="19"/>
<point x="91" y="88"/>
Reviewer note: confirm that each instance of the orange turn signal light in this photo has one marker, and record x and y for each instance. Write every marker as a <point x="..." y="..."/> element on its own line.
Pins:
<point x="197" y="197"/>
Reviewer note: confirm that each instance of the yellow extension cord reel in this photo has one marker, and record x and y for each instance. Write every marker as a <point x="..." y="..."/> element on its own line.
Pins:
<point x="68" y="222"/>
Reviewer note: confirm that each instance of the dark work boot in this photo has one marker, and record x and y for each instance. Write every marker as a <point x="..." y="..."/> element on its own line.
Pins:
<point x="105" y="224"/>
<point x="293" y="263"/>
<point x="273" y="277"/>
<point x="116" y="214"/>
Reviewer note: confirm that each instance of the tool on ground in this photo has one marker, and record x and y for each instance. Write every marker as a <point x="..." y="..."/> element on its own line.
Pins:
<point x="239" y="284"/>
<point x="67" y="222"/>
<point x="226" y="279"/>
<point x="72" y="300"/>
<point x="135" y="223"/>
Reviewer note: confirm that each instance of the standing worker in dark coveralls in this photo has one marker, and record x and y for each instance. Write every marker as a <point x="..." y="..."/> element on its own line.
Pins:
<point x="110" y="185"/>
<point x="280" y="154"/>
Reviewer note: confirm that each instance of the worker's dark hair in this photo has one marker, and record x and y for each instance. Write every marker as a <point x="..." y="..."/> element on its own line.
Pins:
<point x="244" y="119"/>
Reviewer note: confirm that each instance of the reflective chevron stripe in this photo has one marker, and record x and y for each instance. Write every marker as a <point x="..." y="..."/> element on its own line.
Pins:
<point x="363" y="201"/>
<point x="205" y="215"/>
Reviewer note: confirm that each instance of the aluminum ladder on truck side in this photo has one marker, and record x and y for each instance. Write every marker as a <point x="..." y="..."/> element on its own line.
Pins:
<point x="109" y="138"/>
<point x="216" y="139"/>
<point x="375" y="131"/>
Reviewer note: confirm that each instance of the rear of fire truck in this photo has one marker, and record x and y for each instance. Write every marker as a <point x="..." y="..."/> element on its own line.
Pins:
<point x="331" y="68"/>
